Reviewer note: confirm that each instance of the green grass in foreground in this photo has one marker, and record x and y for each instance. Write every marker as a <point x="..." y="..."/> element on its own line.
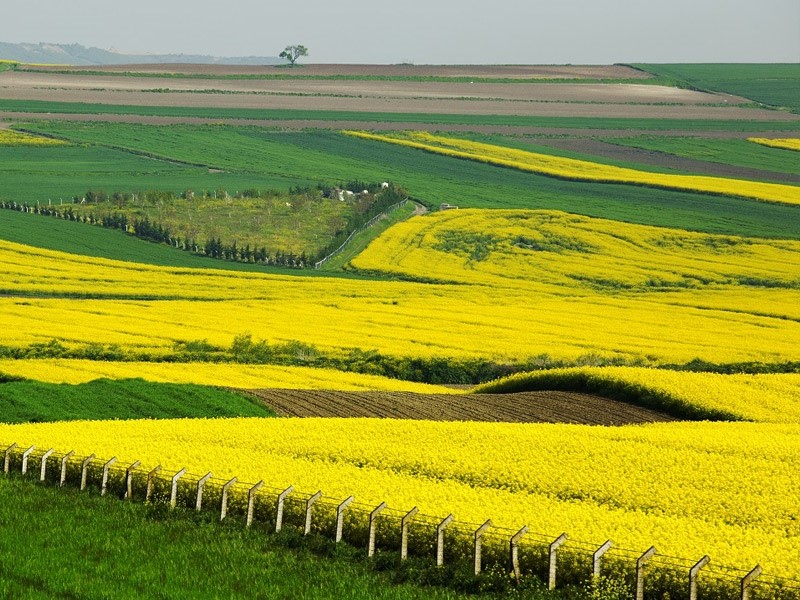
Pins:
<point x="45" y="106"/>
<point x="63" y="544"/>
<point x="33" y="401"/>
<point x="772" y="84"/>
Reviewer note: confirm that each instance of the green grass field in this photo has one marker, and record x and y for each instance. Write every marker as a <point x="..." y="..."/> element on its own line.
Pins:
<point x="33" y="401"/>
<point x="317" y="156"/>
<point x="771" y="84"/>
<point x="64" y="544"/>
<point x="43" y="106"/>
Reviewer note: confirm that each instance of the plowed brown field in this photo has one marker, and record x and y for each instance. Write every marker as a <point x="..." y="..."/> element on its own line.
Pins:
<point x="527" y="407"/>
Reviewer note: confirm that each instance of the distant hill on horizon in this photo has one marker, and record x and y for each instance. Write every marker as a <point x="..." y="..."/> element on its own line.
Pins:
<point x="77" y="54"/>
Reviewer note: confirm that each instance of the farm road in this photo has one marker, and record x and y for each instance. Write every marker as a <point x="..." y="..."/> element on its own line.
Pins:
<point x="527" y="407"/>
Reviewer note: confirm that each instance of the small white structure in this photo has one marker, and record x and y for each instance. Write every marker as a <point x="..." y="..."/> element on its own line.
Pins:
<point x="446" y="206"/>
<point x="384" y="185"/>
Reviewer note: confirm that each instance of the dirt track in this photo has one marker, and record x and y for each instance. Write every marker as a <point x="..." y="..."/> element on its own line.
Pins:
<point x="528" y="407"/>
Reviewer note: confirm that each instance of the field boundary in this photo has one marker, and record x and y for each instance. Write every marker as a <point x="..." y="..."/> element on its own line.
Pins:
<point x="522" y="553"/>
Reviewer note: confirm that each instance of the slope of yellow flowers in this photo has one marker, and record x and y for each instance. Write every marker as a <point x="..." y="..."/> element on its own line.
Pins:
<point x="768" y="398"/>
<point x="75" y="371"/>
<point x="581" y="170"/>
<point x="784" y="143"/>
<point x="545" y="283"/>
<point x="687" y="488"/>
<point x="18" y="138"/>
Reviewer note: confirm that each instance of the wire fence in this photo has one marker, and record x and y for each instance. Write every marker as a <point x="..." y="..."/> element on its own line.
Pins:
<point x="555" y="560"/>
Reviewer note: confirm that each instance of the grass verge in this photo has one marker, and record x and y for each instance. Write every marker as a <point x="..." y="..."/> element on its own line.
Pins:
<point x="34" y="401"/>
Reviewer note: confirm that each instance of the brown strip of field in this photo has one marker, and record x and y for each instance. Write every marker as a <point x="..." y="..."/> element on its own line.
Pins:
<point x="328" y="70"/>
<point x="664" y="159"/>
<point x="527" y="407"/>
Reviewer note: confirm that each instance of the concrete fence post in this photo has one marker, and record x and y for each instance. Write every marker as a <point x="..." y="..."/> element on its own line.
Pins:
<point x="340" y="518"/>
<point x="279" y="508"/>
<point x="693" y="572"/>
<point x="104" y="482"/>
<point x="747" y="581"/>
<point x="440" y="538"/>
<point x="514" y="552"/>
<point x="224" y="502"/>
<point x="373" y="519"/>
<point x="129" y="479"/>
<point x="404" y="532"/>
<point x="640" y="564"/>
<point x="43" y="468"/>
<point x="198" y="504"/>
<point x="150" y="477"/>
<point x="85" y="470"/>
<point x="63" y="477"/>
<point x="597" y="557"/>
<point x="479" y="533"/>
<point x="554" y="546"/>
<point x="173" y="495"/>
<point x="309" y="504"/>
<point x="251" y="500"/>
<point x="7" y="462"/>
<point x="25" y="456"/>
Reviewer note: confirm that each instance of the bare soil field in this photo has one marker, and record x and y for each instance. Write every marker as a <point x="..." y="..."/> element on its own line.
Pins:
<point x="527" y="407"/>
<point x="403" y="70"/>
<point x="522" y="99"/>
<point x="664" y="159"/>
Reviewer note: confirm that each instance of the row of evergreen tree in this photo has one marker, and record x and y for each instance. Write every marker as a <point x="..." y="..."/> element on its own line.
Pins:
<point x="378" y="200"/>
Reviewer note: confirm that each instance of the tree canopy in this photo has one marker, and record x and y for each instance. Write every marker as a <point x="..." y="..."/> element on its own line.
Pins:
<point x="292" y="53"/>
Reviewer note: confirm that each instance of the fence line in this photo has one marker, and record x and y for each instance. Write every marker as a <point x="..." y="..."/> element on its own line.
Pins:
<point x="364" y="227"/>
<point x="95" y="470"/>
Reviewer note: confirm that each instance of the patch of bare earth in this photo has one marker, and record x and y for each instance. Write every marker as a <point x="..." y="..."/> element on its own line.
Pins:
<point x="403" y="70"/>
<point x="527" y="407"/>
<point x="519" y="99"/>
<point x="666" y="160"/>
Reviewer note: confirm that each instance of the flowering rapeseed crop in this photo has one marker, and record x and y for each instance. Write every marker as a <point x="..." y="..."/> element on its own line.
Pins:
<point x="17" y="138"/>
<point x="688" y="488"/>
<point x="582" y="170"/>
<point x="785" y="143"/>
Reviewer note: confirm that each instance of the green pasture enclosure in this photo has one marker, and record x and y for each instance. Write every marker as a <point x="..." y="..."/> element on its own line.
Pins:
<point x="776" y="85"/>
<point x="61" y="543"/>
<point x="332" y="116"/>
<point x="33" y="401"/>
<point x="735" y="152"/>
<point x="92" y="240"/>
<point x="323" y="156"/>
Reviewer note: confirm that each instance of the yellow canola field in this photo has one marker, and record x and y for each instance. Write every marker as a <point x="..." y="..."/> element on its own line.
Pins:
<point x="768" y="398"/>
<point x="75" y="371"/>
<point x="17" y="138"/>
<point x="726" y="489"/>
<point x="693" y="299"/>
<point x="511" y="248"/>
<point x="581" y="170"/>
<point x="784" y="143"/>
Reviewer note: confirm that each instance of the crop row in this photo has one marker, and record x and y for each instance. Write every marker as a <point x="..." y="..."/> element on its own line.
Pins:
<point x="630" y="484"/>
<point x="581" y="170"/>
<point x="785" y="143"/>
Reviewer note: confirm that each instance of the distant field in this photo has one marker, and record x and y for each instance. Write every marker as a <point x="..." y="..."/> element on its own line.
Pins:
<point x="33" y="401"/>
<point x="772" y="84"/>
<point x="256" y="156"/>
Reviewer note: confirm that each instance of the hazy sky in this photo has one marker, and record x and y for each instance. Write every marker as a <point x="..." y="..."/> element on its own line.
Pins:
<point x="424" y="31"/>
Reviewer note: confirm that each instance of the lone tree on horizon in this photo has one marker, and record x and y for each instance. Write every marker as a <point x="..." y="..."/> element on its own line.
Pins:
<point x="292" y="53"/>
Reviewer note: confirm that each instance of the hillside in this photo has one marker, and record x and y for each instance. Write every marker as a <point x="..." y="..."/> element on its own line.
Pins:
<point x="77" y="54"/>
